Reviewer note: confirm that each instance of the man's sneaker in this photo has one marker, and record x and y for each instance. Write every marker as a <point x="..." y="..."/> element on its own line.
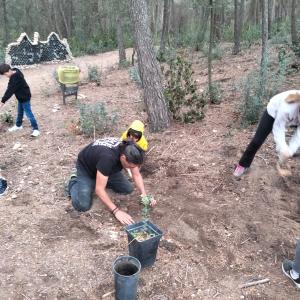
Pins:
<point x="67" y="183"/>
<point x="239" y="171"/>
<point x="35" y="133"/>
<point x="3" y="186"/>
<point x="15" y="128"/>
<point x="287" y="268"/>
<point x="66" y="189"/>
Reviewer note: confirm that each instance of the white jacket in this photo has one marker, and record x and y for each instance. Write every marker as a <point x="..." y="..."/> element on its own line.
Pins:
<point x="285" y="114"/>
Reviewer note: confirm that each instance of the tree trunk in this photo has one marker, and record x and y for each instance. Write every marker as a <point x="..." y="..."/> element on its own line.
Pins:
<point x="120" y="37"/>
<point x="5" y="24"/>
<point x="211" y="43"/>
<point x="264" y="48"/>
<point x="165" y="29"/>
<point x="149" y="68"/>
<point x="237" y="29"/>
<point x="294" y="34"/>
<point x="202" y="28"/>
<point x="64" y="19"/>
<point x="270" y="13"/>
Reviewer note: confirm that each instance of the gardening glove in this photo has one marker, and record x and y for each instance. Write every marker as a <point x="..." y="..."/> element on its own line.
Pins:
<point x="123" y="217"/>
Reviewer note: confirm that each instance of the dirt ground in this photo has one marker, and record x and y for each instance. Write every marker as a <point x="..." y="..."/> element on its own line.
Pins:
<point x="218" y="232"/>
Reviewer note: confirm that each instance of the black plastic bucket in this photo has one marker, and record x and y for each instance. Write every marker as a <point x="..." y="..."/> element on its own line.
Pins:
<point x="144" y="251"/>
<point x="126" y="272"/>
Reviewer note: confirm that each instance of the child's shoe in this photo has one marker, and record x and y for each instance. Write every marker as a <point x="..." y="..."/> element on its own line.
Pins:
<point x="35" y="133"/>
<point x="3" y="186"/>
<point x="239" y="171"/>
<point x="287" y="269"/>
<point x="15" y="128"/>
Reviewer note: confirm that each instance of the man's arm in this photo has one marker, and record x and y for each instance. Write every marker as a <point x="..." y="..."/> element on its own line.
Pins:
<point x="139" y="183"/>
<point x="100" y="191"/>
<point x="294" y="143"/>
<point x="279" y="135"/>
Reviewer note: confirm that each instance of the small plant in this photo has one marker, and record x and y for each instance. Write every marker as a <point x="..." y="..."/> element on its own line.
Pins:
<point x="217" y="51"/>
<point x="142" y="234"/>
<point x="94" y="74"/>
<point x="124" y="64"/>
<point x="213" y="95"/>
<point x="146" y="203"/>
<point x="252" y="104"/>
<point x="185" y="104"/>
<point x="95" y="118"/>
<point x="7" y="117"/>
<point x="135" y="75"/>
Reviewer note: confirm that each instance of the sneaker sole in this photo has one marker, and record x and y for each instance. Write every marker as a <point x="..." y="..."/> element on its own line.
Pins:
<point x="5" y="192"/>
<point x="287" y="275"/>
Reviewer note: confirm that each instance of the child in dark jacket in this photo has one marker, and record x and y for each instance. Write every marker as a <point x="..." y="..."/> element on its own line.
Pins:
<point x="18" y="86"/>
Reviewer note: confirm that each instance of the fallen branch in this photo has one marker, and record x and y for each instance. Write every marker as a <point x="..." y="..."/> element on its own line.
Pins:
<point x="245" y="285"/>
<point x="107" y="294"/>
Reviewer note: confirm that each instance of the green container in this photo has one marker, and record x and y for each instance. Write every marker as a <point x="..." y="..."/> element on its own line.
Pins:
<point x="68" y="74"/>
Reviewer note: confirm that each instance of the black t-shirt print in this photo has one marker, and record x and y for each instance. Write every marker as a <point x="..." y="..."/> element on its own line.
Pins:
<point x="102" y="155"/>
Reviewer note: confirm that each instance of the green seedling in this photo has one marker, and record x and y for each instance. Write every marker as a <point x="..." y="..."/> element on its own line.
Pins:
<point x="146" y="203"/>
<point x="142" y="234"/>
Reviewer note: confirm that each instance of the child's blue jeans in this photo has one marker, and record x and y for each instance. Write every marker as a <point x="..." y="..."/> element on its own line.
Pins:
<point x="26" y="107"/>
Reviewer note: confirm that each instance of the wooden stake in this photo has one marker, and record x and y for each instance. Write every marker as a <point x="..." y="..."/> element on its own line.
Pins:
<point x="245" y="285"/>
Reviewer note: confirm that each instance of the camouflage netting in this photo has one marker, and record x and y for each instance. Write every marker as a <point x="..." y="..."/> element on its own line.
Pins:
<point x="25" y="52"/>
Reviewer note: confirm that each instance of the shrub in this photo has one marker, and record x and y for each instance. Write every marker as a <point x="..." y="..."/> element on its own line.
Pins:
<point x="184" y="103"/>
<point x="217" y="51"/>
<point x="134" y="75"/>
<point x="94" y="74"/>
<point x="7" y="117"/>
<point x="250" y="35"/>
<point x="213" y="94"/>
<point x="95" y="118"/>
<point x="2" y="55"/>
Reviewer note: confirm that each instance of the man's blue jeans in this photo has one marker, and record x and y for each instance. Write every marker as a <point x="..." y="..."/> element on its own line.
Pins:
<point x="82" y="187"/>
<point x="25" y="107"/>
<point x="296" y="262"/>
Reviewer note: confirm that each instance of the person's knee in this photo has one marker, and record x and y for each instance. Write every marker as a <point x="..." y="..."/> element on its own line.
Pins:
<point x="127" y="189"/>
<point x="81" y="205"/>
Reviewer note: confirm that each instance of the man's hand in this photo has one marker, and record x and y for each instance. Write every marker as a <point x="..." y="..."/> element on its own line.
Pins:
<point x="123" y="217"/>
<point x="1" y="104"/>
<point x="153" y="202"/>
<point x="284" y="156"/>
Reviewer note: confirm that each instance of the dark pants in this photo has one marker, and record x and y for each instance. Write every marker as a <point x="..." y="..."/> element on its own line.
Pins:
<point x="25" y="107"/>
<point x="296" y="262"/>
<point x="263" y="130"/>
<point x="82" y="187"/>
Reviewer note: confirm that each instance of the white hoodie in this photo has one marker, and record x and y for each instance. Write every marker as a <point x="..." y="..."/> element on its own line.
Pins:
<point x="285" y="114"/>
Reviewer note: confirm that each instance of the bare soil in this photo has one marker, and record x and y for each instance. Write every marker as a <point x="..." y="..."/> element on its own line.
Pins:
<point x="218" y="232"/>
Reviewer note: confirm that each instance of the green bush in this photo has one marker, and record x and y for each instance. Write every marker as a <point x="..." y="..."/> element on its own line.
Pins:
<point x="135" y="75"/>
<point x="250" y="35"/>
<point x="184" y="103"/>
<point x="213" y="95"/>
<point x="217" y="51"/>
<point x="95" y="118"/>
<point x="7" y="117"/>
<point x="2" y="55"/>
<point x="94" y="74"/>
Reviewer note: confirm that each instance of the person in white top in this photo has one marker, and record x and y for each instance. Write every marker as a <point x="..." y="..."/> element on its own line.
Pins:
<point x="283" y="110"/>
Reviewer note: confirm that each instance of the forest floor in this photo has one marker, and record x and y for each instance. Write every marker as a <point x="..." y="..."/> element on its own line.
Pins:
<point x="218" y="232"/>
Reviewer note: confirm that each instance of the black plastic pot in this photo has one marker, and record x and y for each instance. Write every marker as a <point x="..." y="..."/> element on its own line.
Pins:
<point x="144" y="251"/>
<point x="126" y="272"/>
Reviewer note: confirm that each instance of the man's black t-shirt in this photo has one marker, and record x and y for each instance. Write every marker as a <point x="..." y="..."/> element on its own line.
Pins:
<point x="102" y="155"/>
